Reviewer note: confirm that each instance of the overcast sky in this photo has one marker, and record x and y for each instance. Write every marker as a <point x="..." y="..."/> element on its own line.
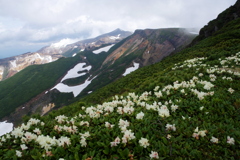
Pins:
<point x="28" y="25"/>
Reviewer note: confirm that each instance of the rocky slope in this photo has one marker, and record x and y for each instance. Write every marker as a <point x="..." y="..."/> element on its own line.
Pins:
<point x="155" y="44"/>
<point x="12" y="65"/>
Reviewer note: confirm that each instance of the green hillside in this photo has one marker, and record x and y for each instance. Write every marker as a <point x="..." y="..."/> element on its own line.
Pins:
<point x="184" y="107"/>
<point x="30" y="82"/>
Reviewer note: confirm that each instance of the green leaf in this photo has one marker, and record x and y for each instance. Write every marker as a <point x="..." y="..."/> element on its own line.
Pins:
<point x="106" y="151"/>
<point x="76" y="156"/>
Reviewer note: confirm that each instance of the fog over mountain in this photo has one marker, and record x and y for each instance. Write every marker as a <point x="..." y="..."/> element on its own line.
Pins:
<point x="26" y="26"/>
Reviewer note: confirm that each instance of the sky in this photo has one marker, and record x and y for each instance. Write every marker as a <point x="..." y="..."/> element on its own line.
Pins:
<point x="29" y="25"/>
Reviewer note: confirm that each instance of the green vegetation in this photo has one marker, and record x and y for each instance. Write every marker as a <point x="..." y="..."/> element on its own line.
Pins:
<point x="30" y="82"/>
<point x="184" y="107"/>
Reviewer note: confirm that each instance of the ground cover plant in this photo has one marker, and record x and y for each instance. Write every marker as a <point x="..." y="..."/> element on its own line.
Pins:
<point x="193" y="116"/>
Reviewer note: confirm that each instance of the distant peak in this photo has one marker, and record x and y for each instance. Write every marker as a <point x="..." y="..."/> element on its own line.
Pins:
<point x="118" y="29"/>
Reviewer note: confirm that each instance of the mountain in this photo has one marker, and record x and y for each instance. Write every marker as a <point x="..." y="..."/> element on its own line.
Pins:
<point x="223" y="18"/>
<point x="92" y="69"/>
<point x="63" y="48"/>
<point x="155" y="44"/>
<point x="69" y="49"/>
<point x="184" y="107"/>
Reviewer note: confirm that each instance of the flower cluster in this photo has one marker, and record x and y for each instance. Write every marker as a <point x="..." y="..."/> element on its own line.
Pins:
<point x="198" y="133"/>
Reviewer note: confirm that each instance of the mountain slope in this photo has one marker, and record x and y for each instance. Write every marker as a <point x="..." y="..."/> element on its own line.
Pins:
<point x="31" y="81"/>
<point x="68" y="50"/>
<point x="154" y="43"/>
<point x="64" y="48"/>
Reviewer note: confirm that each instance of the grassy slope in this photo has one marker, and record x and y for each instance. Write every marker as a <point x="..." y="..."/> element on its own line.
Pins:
<point x="202" y="125"/>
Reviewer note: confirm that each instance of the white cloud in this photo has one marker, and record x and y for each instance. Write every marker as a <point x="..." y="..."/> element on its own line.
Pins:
<point x="45" y="21"/>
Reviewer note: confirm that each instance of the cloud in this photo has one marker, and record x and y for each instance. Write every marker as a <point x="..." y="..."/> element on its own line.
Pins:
<point x="41" y="22"/>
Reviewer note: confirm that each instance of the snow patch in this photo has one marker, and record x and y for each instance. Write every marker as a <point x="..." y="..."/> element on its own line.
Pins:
<point x="131" y="69"/>
<point x="5" y="127"/>
<point x="44" y="58"/>
<point x="38" y="56"/>
<point x="49" y="58"/>
<point x="74" y="54"/>
<point x="76" y="90"/>
<point x="1" y="70"/>
<point x="82" y="50"/>
<point x="102" y="49"/>
<point x="115" y="37"/>
<point x="13" y="63"/>
<point x="73" y="73"/>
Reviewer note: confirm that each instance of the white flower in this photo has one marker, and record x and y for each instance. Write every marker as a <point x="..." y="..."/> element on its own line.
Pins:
<point x="163" y="111"/>
<point x="200" y="74"/>
<point x="156" y="88"/>
<point x="230" y="140"/>
<point x="84" y="123"/>
<point x="170" y="127"/>
<point x="196" y="130"/>
<point x="17" y="132"/>
<point x="23" y="147"/>
<point x="108" y="125"/>
<point x="64" y="140"/>
<point x="230" y="90"/>
<point x="202" y="133"/>
<point x="18" y="153"/>
<point x="128" y="135"/>
<point x="169" y="136"/>
<point x="158" y="94"/>
<point x="120" y="110"/>
<point x="33" y="121"/>
<point x="214" y="140"/>
<point x="201" y="108"/>
<point x="144" y="142"/>
<point x="123" y="123"/>
<point x="174" y="108"/>
<point x="140" y="115"/>
<point x="30" y="136"/>
<point x="36" y="130"/>
<point x="115" y="142"/>
<point x="198" y="133"/>
<point x="46" y="142"/>
<point x="154" y="155"/>
<point x="83" y="142"/>
<point x="86" y="134"/>
<point x="61" y="118"/>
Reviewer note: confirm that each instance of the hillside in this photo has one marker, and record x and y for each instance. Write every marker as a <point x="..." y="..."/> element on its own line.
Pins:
<point x="185" y="107"/>
<point x="92" y="69"/>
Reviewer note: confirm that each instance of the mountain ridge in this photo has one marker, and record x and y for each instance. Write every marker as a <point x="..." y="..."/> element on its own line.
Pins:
<point x="50" y="53"/>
